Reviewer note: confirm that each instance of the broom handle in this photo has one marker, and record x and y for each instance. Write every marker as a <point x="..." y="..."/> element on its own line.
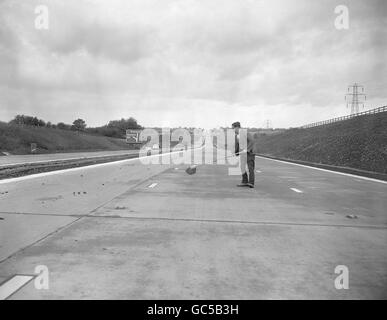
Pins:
<point x="233" y="155"/>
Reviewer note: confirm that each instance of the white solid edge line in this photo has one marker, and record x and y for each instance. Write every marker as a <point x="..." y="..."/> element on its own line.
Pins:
<point x="296" y="190"/>
<point x="50" y="173"/>
<point x="326" y="170"/>
<point x="13" y="284"/>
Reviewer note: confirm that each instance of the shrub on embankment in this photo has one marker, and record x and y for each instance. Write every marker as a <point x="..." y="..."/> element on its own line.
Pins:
<point x="359" y="143"/>
<point x="17" y="139"/>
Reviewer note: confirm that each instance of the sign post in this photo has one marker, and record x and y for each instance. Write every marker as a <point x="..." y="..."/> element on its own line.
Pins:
<point x="34" y="147"/>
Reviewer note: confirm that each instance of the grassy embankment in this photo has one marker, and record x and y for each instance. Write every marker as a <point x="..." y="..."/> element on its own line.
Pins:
<point x="17" y="140"/>
<point x="359" y="143"/>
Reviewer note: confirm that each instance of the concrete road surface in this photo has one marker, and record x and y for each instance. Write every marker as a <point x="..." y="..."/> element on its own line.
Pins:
<point x="127" y="230"/>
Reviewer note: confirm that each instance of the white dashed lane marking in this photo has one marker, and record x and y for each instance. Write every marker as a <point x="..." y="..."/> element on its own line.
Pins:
<point x="152" y="185"/>
<point x="12" y="285"/>
<point x="258" y="171"/>
<point x="296" y="190"/>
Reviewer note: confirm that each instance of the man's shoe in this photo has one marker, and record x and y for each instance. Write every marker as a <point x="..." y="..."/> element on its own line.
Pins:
<point x="243" y="184"/>
<point x="250" y="185"/>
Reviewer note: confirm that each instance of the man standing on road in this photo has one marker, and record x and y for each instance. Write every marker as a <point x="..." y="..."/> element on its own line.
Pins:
<point x="247" y="155"/>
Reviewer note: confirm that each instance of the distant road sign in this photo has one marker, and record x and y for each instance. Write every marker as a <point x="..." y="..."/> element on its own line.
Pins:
<point x="132" y="136"/>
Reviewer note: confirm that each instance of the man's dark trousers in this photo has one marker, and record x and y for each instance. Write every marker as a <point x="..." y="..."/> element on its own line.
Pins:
<point x="251" y="166"/>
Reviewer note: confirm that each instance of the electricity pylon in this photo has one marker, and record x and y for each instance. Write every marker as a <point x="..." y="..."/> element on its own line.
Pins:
<point x="268" y="124"/>
<point x="355" y="95"/>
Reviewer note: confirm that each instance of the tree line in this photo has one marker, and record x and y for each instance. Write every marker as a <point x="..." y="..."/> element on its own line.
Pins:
<point x="114" y="128"/>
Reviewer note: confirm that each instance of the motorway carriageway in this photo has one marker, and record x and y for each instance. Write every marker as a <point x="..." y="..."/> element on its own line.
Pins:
<point x="126" y="230"/>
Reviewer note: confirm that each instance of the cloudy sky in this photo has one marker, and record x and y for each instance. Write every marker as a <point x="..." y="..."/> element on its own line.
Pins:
<point x="203" y="63"/>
